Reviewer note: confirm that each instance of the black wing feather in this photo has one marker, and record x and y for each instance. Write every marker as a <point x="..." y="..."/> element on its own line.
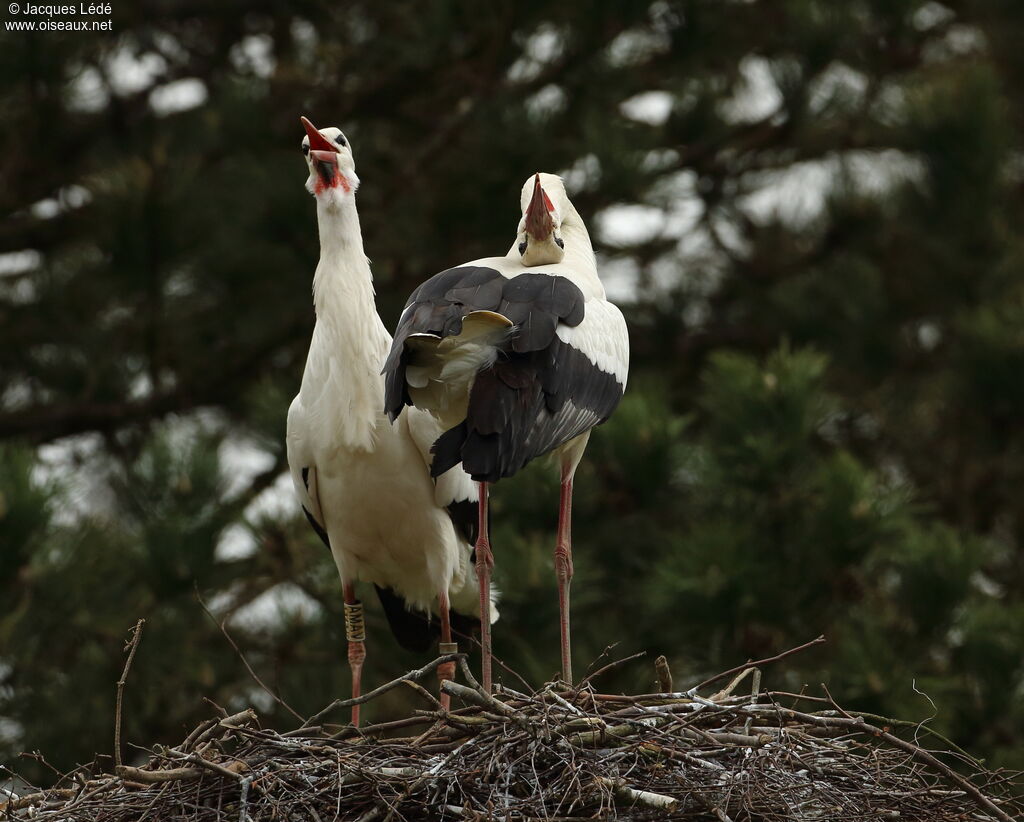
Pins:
<point x="541" y="392"/>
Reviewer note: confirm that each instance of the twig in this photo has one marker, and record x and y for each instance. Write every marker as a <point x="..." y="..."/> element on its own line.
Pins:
<point x="833" y="703"/>
<point x="198" y="731"/>
<point x="728" y="689"/>
<point x="608" y="667"/>
<point x="16" y="803"/>
<point x="248" y="667"/>
<point x="218" y="708"/>
<point x="624" y="793"/>
<point x="36" y="756"/>
<point x="761" y="662"/>
<point x="380" y="727"/>
<point x="568" y="706"/>
<point x="603" y="735"/>
<point x="131" y="647"/>
<point x="485" y="701"/>
<point x="415" y="676"/>
<point x="213" y="766"/>
<point x="664" y="674"/>
<point x="167" y="775"/>
<point x="415" y="686"/>
<point x="468" y="674"/>
<point x="228" y="722"/>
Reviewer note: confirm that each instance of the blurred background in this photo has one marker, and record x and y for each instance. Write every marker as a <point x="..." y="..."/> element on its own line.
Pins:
<point x="809" y="211"/>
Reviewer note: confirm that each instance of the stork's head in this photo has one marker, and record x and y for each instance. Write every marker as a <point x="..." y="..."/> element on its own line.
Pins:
<point x="332" y="169"/>
<point x="543" y="202"/>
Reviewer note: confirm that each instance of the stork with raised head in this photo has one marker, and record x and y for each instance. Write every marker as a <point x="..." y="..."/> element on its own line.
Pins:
<point x="516" y="356"/>
<point x="366" y="486"/>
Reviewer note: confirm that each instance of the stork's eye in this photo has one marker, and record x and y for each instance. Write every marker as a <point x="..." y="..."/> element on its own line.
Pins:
<point x="340" y="140"/>
<point x="522" y="248"/>
<point x="305" y="149"/>
<point x="559" y="242"/>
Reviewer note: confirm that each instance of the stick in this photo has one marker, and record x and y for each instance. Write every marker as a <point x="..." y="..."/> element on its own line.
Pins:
<point x="664" y="674"/>
<point x="485" y="701"/>
<point x="380" y="727"/>
<point x="213" y="766"/>
<point x="422" y="691"/>
<point x="624" y="793"/>
<point x="818" y="641"/>
<point x="728" y="689"/>
<point x="415" y="676"/>
<point x="568" y="706"/>
<point x="173" y="774"/>
<point x="131" y="646"/>
<point x="464" y="667"/>
<point x="169" y="775"/>
<point x="198" y="731"/>
<point x="608" y="667"/>
<point x="248" y="667"/>
<point x="602" y="735"/>
<point x="16" y="803"/>
<point x="227" y="723"/>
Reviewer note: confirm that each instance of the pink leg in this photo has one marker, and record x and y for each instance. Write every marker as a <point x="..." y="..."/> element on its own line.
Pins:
<point x="445" y="670"/>
<point x="484" y="564"/>
<point x="355" y="633"/>
<point x="563" y="569"/>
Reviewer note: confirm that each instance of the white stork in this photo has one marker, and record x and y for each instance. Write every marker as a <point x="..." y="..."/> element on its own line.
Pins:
<point x="365" y="485"/>
<point x="516" y="356"/>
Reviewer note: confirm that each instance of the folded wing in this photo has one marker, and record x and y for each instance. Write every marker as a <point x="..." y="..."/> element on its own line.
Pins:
<point x="514" y="367"/>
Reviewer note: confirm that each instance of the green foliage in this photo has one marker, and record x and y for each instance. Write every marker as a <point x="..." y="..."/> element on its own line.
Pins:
<point x="823" y="431"/>
<point x="25" y="510"/>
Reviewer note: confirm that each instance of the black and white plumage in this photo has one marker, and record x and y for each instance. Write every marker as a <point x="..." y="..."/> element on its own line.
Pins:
<point x="365" y="485"/>
<point x="517" y="357"/>
<point x="539" y="393"/>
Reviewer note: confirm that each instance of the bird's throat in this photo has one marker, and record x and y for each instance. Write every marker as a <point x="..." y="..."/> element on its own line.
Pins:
<point x="329" y="176"/>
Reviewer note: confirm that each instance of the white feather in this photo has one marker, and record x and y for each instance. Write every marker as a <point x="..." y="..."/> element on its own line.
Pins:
<point x="369" y="485"/>
<point x="602" y="338"/>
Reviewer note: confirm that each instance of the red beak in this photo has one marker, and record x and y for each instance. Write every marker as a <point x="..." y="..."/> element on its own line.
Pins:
<point x="539" y="224"/>
<point x="317" y="141"/>
<point x="328" y="157"/>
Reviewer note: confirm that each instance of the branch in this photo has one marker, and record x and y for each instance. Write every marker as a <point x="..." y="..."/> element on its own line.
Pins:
<point x="248" y="667"/>
<point x="725" y="674"/>
<point x="149" y="777"/>
<point x="624" y="793"/>
<point x="664" y="673"/>
<point x="131" y="646"/>
<point x="415" y="676"/>
<point x="608" y="667"/>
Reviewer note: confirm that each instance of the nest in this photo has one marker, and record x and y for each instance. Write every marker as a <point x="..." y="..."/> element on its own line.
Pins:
<point x="556" y="754"/>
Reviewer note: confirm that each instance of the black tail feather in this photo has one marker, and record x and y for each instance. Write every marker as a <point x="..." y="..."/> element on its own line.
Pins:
<point x="413" y="630"/>
<point x="447" y="449"/>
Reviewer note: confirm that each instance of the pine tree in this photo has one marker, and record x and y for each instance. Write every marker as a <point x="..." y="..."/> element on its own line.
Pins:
<point x="811" y="207"/>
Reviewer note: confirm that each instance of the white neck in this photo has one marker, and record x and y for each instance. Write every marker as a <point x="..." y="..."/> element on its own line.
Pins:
<point x="343" y="283"/>
<point x="579" y="251"/>
<point x="342" y="382"/>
